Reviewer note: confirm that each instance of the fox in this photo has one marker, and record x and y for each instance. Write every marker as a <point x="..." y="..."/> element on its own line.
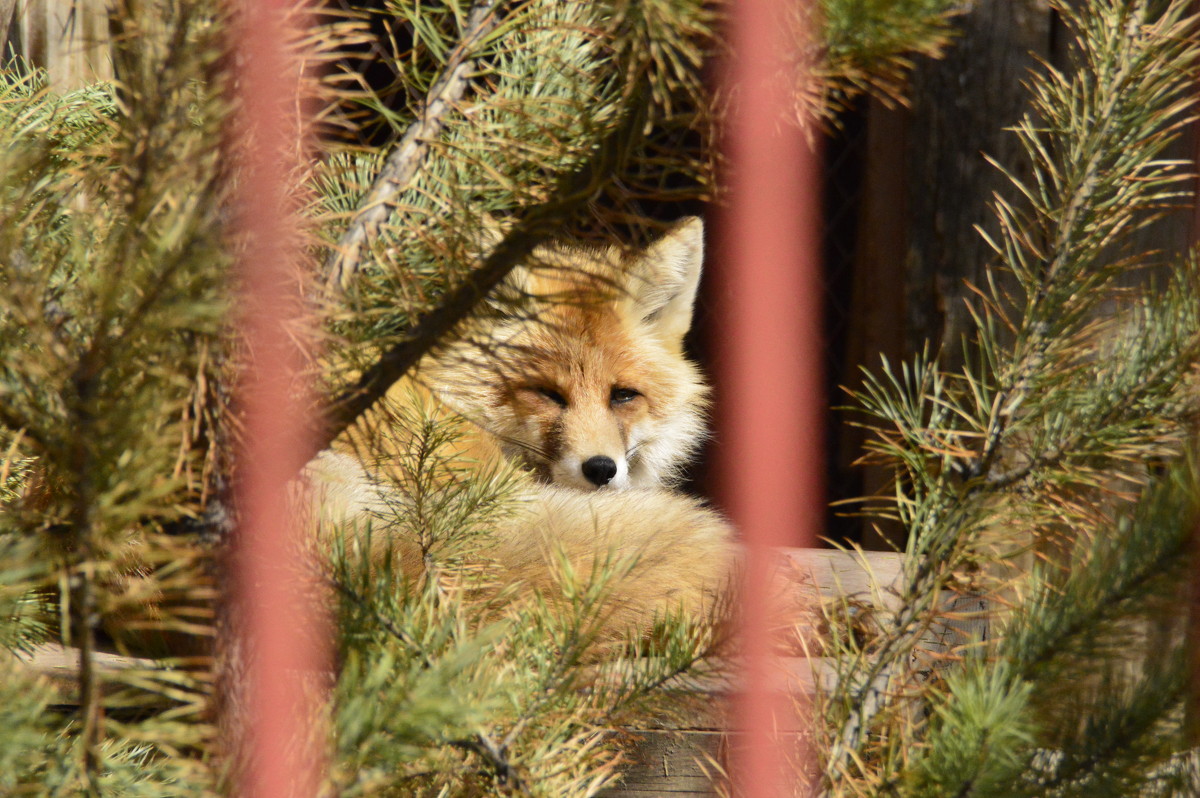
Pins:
<point x="575" y="376"/>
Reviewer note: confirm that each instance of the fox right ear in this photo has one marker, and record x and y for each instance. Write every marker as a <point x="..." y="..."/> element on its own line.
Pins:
<point x="485" y="234"/>
<point x="663" y="282"/>
<point x="513" y="291"/>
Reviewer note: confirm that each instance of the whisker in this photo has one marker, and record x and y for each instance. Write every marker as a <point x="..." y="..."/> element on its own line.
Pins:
<point x="529" y="447"/>
<point x="533" y="449"/>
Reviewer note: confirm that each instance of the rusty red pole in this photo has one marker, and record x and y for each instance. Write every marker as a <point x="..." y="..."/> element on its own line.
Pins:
<point x="769" y="358"/>
<point x="283" y="645"/>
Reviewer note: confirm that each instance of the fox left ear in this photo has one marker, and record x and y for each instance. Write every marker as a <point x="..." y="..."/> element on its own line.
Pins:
<point x="664" y="280"/>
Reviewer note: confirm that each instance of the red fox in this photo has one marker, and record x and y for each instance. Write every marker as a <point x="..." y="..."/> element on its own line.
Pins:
<point x="578" y="376"/>
<point x="589" y="386"/>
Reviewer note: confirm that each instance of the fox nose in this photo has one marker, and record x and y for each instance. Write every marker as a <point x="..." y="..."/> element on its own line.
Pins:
<point x="599" y="470"/>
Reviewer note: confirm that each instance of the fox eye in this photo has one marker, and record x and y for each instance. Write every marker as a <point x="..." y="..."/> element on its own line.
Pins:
<point x="553" y="396"/>
<point x="622" y="395"/>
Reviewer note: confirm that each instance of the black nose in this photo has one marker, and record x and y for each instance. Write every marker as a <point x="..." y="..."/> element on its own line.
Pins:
<point x="599" y="470"/>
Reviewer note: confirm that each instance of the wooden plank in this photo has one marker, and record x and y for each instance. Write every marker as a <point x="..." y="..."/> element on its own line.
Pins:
<point x="869" y="576"/>
<point x="676" y="764"/>
<point x="962" y="108"/>
<point x="8" y="9"/>
<point x="680" y="764"/>
<point x="60" y="665"/>
<point x="877" y="310"/>
<point x="681" y="760"/>
<point x="793" y="676"/>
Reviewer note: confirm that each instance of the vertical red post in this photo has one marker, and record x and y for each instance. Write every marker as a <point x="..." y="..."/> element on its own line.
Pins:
<point x="1193" y="640"/>
<point x="769" y="357"/>
<point x="282" y="646"/>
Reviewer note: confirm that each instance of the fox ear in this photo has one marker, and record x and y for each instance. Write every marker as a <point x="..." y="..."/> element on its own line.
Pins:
<point x="512" y="297"/>
<point x="664" y="280"/>
<point x="485" y="234"/>
<point x="513" y="291"/>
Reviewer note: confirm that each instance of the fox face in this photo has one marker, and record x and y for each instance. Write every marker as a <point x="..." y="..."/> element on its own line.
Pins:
<point x="587" y="385"/>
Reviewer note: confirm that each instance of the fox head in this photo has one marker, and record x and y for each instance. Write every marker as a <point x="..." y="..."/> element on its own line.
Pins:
<point x="585" y="380"/>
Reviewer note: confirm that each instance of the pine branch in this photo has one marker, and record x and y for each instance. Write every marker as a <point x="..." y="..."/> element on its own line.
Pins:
<point x="496" y="756"/>
<point x="1108" y="757"/>
<point x="385" y="623"/>
<point x="406" y="160"/>
<point x="868" y="47"/>
<point x="1015" y="445"/>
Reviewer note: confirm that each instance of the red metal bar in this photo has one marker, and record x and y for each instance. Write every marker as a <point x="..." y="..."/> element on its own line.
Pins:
<point x="283" y="646"/>
<point x="769" y="360"/>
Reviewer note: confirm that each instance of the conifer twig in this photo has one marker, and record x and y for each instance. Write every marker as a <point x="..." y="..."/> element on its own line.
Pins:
<point x="496" y="755"/>
<point x="384" y="622"/>
<point x="405" y="161"/>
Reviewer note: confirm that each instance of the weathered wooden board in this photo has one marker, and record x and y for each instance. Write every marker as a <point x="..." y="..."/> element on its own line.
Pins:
<point x="61" y="666"/>
<point x="869" y="576"/>
<point x="672" y="763"/>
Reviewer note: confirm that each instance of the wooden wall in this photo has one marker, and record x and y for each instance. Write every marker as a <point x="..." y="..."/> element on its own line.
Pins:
<point x="67" y="38"/>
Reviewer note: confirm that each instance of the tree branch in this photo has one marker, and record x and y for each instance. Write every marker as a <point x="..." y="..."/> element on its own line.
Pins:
<point x="406" y="160"/>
